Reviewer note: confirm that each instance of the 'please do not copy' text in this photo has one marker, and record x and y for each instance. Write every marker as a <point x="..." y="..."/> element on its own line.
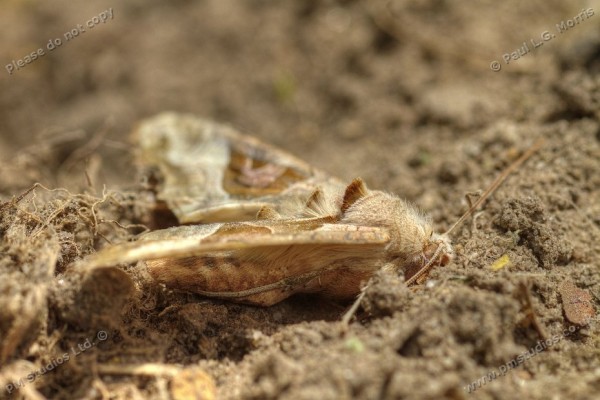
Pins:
<point x="52" y="44"/>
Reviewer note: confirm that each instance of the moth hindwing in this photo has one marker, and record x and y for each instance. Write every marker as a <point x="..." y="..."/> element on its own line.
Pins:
<point x="266" y="225"/>
<point x="211" y="173"/>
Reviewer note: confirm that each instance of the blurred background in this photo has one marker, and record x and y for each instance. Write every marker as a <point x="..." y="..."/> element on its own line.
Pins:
<point x="356" y="87"/>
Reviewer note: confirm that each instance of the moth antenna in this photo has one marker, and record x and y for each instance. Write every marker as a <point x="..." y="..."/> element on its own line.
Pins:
<point x="497" y="182"/>
<point x="427" y="267"/>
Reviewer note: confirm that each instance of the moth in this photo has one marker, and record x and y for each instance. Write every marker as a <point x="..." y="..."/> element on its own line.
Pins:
<point x="258" y="225"/>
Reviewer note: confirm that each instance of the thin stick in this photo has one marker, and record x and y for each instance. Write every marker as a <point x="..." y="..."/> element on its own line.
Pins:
<point x="497" y="182"/>
<point x="18" y="198"/>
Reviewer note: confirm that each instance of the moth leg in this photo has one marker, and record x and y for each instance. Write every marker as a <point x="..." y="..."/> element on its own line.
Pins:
<point x="354" y="307"/>
<point x="348" y="315"/>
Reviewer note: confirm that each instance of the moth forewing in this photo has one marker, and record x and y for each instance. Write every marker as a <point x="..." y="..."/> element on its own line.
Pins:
<point x="186" y="241"/>
<point x="261" y="262"/>
<point x="270" y="274"/>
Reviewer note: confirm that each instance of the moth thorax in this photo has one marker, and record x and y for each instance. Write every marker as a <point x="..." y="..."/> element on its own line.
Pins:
<point x="409" y="229"/>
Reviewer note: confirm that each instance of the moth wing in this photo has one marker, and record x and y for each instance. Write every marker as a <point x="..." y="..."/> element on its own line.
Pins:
<point x="211" y="173"/>
<point x="258" y="240"/>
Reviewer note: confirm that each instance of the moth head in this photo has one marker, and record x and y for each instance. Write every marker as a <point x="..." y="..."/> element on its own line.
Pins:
<point x="437" y="252"/>
<point x="440" y="248"/>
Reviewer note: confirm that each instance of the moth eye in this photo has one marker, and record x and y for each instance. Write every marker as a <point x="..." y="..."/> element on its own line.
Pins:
<point x="445" y="259"/>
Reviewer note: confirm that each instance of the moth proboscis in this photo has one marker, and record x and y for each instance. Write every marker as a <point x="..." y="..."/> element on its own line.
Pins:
<point x="258" y="225"/>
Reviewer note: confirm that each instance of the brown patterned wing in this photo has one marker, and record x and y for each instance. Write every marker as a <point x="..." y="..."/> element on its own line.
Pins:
<point x="210" y="173"/>
<point x="259" y="262"/>
<point x="247" y="239"/>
